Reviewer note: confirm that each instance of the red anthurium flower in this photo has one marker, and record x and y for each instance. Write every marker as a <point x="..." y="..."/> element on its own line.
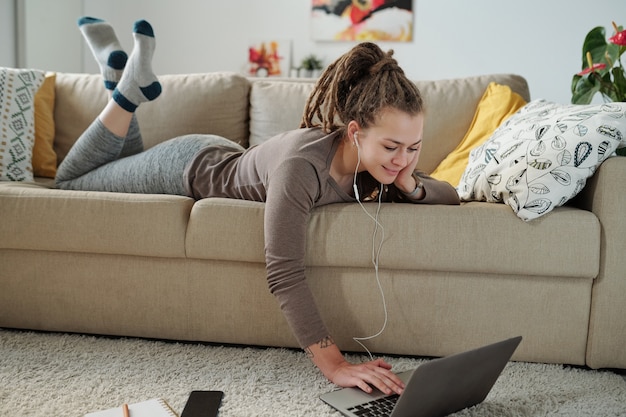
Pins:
<point x="619" y="38"/>
<point x="593" y="68"/>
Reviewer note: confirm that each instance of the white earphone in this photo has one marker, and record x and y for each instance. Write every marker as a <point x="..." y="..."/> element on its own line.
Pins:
<point x="356" y="143"/>
<point x="376" y="248"/>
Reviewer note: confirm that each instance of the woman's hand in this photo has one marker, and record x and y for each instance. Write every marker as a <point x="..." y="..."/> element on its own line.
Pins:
<point x="405" y="180"/>
<point x="366" y="375"/>
<point x="326" y="355"/>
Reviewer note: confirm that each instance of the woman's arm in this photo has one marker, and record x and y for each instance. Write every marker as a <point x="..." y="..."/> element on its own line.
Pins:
<point x="431" y="191"/>
<point x="377" y="373"/>
<point x="290" y="199"/>
<point x="435" y="191"/>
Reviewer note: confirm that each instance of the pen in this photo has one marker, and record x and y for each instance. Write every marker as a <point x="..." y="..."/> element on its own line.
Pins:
<point x="125" y="409"/>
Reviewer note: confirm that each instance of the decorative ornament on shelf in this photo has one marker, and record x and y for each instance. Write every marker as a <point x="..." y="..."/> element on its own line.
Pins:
<point x="311" y="65"/>
<point x="602" y="69"/>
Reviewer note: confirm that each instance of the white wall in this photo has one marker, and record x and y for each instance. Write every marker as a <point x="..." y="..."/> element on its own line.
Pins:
<point x="48" y="35"/>
<point x="8" y="52"/>
<point x="539" y="39"/>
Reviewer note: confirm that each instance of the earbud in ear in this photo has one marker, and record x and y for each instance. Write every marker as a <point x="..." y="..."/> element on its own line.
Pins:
<point x="354" y="186"/>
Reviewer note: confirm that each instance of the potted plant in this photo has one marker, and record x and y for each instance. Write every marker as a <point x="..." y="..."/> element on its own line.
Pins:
<point x="602" y="69"/>
<point x="312" y="65"/>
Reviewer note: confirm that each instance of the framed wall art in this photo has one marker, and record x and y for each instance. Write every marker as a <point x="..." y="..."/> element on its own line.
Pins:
<point x="362" y="20"/>
<point x="269" y="58"/>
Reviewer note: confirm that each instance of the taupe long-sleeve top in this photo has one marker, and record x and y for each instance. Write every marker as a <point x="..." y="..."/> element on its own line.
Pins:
<point x="291" y="174"/>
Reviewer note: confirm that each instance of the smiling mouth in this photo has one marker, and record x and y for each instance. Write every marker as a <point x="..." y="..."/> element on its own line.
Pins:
<point x="393" y="172"/>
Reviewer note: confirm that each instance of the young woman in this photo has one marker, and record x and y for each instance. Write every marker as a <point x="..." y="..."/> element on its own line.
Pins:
<point x="360" y="138"/>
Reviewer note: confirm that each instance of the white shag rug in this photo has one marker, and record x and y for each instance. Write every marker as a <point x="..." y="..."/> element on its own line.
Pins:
<point x="51" y="374"/>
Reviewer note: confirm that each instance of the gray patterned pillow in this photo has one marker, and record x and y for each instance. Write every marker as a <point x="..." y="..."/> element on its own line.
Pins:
<point x="17" y="122"/>
<point x="541" y="157"/>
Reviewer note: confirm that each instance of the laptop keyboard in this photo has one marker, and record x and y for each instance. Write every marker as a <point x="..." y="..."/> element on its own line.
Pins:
<point x="381" y="407"/>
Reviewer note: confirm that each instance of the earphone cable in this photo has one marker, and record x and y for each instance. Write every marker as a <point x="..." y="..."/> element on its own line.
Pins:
<point x="375" y="254"/>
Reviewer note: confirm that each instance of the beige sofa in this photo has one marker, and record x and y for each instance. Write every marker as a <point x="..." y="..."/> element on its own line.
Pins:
<point x="455" y="277"/>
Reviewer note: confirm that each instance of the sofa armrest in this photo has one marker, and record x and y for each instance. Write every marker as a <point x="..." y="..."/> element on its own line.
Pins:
<point x="605" y="196"/>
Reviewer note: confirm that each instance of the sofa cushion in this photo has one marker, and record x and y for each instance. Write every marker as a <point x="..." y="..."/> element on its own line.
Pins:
<point x="17" y="122"/>
<point x="276" y="107"/>
<point x="212" y="103"/>
<point x="497" y="104"/>
<point x="439" y="238"/>
<point x="44" y="157"/>
<point x="79" y="100"/>
<point x="226" y="229"/>
<point x="215" y="103"/>
<point x="38" y="218"/>
<point x="542" y="156"/>
<point x="454" y="104"/>
<point x="458" y="239"/>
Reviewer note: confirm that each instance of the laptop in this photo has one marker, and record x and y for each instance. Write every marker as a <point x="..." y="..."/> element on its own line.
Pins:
<point x="436" y="388"/>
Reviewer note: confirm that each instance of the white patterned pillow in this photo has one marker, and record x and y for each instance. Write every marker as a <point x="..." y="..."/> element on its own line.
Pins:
<point x="541" y="157"/>
<point x="17" y="122"/>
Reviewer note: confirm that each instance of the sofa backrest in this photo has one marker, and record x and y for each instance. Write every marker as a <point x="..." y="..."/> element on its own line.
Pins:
<point x="251" y="110"/>
<point x="277" y="105"/>
<point x="215" y="103"/>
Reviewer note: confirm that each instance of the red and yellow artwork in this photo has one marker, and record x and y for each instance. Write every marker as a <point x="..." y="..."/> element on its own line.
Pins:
<point x="268" y="58"/>
<point x="362" y="20"/>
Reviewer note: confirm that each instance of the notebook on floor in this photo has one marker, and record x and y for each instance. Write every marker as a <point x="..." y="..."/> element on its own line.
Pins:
<point x="437" y="388"/>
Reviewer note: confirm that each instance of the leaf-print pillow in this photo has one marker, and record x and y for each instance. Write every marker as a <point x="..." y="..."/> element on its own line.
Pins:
<point x="541" y="157"/>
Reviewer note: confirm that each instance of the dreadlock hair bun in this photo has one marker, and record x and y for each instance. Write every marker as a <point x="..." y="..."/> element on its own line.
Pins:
<point x="358" y="86"/>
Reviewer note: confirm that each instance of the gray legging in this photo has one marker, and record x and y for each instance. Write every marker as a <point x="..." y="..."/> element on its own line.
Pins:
<point x="102" y="161"/>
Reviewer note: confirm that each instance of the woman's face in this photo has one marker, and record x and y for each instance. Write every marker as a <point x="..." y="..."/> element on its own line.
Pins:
<point x="392" y="144"/>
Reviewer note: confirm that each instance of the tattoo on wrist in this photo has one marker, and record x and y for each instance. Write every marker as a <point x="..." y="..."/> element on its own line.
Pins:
<point x="326" y="342"/>
<point x="309" y="352"/>
<point x="323" y="344"/>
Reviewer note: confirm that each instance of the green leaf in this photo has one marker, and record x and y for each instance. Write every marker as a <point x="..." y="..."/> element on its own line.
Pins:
<point x="619" y="83"/>
<point x="575" y="80"/>
<point x="584" y="88"/>
<point x="595" y="43"/>
<point x="613" y="51"/>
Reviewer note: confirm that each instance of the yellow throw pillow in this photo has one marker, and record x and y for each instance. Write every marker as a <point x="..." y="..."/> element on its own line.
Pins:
<point x="497" y="104"/>
<point x="44" y="156"/>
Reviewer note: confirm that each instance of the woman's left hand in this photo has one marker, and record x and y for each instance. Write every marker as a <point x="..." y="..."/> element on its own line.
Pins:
<point x="405" y="181"/>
